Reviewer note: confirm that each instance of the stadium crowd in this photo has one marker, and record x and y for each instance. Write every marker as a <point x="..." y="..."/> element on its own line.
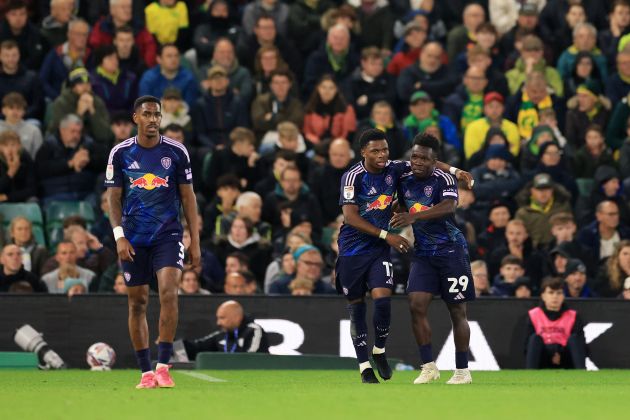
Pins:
<point x="531" y="96"/>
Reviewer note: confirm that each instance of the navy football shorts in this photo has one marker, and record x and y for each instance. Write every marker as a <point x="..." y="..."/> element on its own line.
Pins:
<point x="448" y="276"/>
<point x="149" y="259"/>
<point x="357" y="274"/>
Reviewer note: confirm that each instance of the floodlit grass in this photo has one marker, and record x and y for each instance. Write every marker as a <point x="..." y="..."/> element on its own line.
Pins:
<point x="327" y="395"/>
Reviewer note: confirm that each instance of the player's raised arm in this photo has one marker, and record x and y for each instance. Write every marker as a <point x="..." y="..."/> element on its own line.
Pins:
<point x="189" y="203"/>
<point x="460" y="174"/>
<point x="123" y="246"/>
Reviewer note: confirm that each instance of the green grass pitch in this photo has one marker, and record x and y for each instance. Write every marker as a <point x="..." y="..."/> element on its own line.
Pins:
<point x="327" y="395"/>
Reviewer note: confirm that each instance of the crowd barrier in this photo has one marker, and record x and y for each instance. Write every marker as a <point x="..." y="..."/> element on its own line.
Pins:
<point x="312" y="325"/>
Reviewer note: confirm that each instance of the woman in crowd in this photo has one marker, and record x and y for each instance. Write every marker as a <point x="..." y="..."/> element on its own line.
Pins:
<point x="33" y="254"/>
<point x="613" y="274"/>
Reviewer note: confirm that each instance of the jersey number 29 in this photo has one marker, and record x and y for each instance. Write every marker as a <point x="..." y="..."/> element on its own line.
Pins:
<point x="462" y="281"/>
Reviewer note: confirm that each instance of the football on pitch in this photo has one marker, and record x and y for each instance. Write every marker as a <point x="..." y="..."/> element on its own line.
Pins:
<point x="101" y="356"/>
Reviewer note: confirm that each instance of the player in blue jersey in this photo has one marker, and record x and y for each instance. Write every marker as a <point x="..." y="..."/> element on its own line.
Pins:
<point x="441" y="264"/>
<point x="149" y="178"/>
<point x="364" y="264"/>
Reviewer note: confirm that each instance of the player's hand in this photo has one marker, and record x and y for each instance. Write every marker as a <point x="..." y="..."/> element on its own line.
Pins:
<point x="555" y="359"/>
<point x="400" y="220"/>
<point x="466" y="177"/>
<point x="125" y="250"/>
<point x="398" y="242"/>
<point x="195" y="257"/>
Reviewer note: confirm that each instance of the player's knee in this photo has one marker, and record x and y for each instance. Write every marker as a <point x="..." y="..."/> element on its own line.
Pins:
<point x="418" y="308"/>
<point x="138" y="305"/>
<point x="458" y="313"/>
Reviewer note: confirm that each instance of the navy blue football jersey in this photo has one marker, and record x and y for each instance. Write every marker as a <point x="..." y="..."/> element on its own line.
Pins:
<point x="437" y="236"/>
<point x="150" y="180"/>
<point x="373" y="194"/>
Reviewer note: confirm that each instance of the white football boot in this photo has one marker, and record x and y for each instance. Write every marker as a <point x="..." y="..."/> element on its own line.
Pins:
<point x="460" y="377"/>
<point x="428" y="373"/>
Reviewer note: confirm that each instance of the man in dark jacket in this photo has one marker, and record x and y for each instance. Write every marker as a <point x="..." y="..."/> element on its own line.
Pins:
<point x="238" y="333"/>
<point x="12" y="271"/>
<point x="218" y="111"/>
<point x="14" y="77"/>
<point x="67" y="163"/>
<point x="18" y="175"/>
<point x="496" y="179"/>
<point x="17" y="27"/>
<point x="601" y="236"/>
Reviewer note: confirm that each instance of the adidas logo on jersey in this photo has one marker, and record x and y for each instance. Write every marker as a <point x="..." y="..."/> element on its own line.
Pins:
<point x="134" y="165"/>
<point x="459" y="296"/>
<point x="372" y="191"/>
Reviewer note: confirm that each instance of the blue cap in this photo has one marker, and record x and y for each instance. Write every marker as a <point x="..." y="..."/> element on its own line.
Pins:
<point x="302" y="249"/>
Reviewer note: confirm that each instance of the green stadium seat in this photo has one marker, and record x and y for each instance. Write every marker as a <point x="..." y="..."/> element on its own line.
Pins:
<point x="585" y="186"/>
<point x="327" y="234"/>
<point x="38" y="233"/>
<point x="205" y="169"/>
<point x="55" y="235"/>
<point x="57" y="211"/>
<point x="29" y="210"/>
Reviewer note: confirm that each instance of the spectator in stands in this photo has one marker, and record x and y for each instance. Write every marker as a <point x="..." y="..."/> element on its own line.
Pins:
<point x="339" y="158"/>
<point x="532" y="60"/>
<point x="618" y="23"/>
<point x="575" y="281"/>
<point x="559" y="31"/>
<point x="589" y="107"/>
<point x="266" y="61"/>
<point x="167" y="20"/>
<point x="335" y="58"/>
<point x="460" y="36"/>
<point x="235" y="284"/>
<point x="215" y="23"/>
<point x="309" y="265"/>
<point x="67" y="163"/>
<point x="175" y="111"/>
<point x="281" y="159"/>
<point x="169" y="72"/>
<point x="422" y="114"/>
<point x="284" y="264"/>
<point x="14" y="77"/>
<point x="34" y="255"/>
<point x="91" y="253"/>
<point x="273" y="9"/>
<point x="189" y="284"/>
<point x="228" y="188"/>
<point x="555" y="337"/>
<point x="465" y="104"/>
<point x="479" y="56"/>
<point x="414" y="37"/>
<point x="54" y="27"/>
<point x="493" y="236"/>
<point x="12" y="270"/>
<point x="304" y="22"/>
<point x="584" y="70"/>
<point x="504" y="283"/>
<point x="494" y="136"/>
<point x="248" y="205"/>
<point x="66" y="257"/>
<point x="550" y="162"/>
<point x="509" y="16"/>
<point x="606" y="231"/>
<point x="218" y="111"/>
<point x="612" y="278"/>
<point x="277" y="106"/>
<point x="538" y="201"/>
<point x="625" y="294"/>
<point x="291" y="192"/>
<point x="266" y="36"/>
<point x="243" y="238"/>
<point x="120" y="14"/>
<point x="607" y="187"/>
<point x="584" y="39"/>
<point x="327" y="113"/>
<point x="530" y="156"/>
<point x="13" y="108"/>
<point x="383" y="118"/>
<point x="429" y="75"/>
<point x="18" y="175"/>
<point x="285" y="137"/>
<point x="121" y="126"/>
<point x="128" y="55"/>
<point x="524" y="106"/>
<point x="369" y="84"/>
<point x="522" y="288"/>
<point x="210" y="274"/>
<point x="17" y="27"/>
<point x="377" y="23"/>
<point x="236" y="262"/>
<point x="240" y="79"/>
<point x="238" y="333"/>
<point x="64" y="58"/>
<point x="240" y="159"/>
<point x="493" y="107"/>
<point x="593" y="154"/>
<point x="78" y="99"/>
<point x="120" y="287"/>
<point x="618" y="85"/>
<point x="117" y="88"/>
<point x="563" y="229"/>
<point x="496" y="179"/>
<point x="479" y="271"/>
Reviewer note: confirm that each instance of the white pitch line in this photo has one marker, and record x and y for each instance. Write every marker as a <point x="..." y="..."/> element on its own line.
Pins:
<point x="201" y="376"/>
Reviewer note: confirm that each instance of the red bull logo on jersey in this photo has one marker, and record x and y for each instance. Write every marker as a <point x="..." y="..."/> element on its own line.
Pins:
<point x="148" y="182"/>
<point x="416" y="208"/>
<point x="381" y="203"/>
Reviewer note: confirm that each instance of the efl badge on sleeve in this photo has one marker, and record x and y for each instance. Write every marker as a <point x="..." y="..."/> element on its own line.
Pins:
<point x="348" y="192"/>
<point x="109" y="173"/>
<point x="166" y="162"/>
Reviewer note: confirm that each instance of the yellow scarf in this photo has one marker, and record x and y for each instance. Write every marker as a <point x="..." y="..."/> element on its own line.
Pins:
<point x="528" y="114"/>
<point x="543" y="209"/>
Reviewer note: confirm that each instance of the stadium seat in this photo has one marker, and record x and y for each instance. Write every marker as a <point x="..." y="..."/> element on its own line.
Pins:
<point x="57" y="211"/>
<point x="205" y="169"/>
<point x="54" y="235"/>
<point x="29" y="210"/>
<point x="327" y="234"/>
